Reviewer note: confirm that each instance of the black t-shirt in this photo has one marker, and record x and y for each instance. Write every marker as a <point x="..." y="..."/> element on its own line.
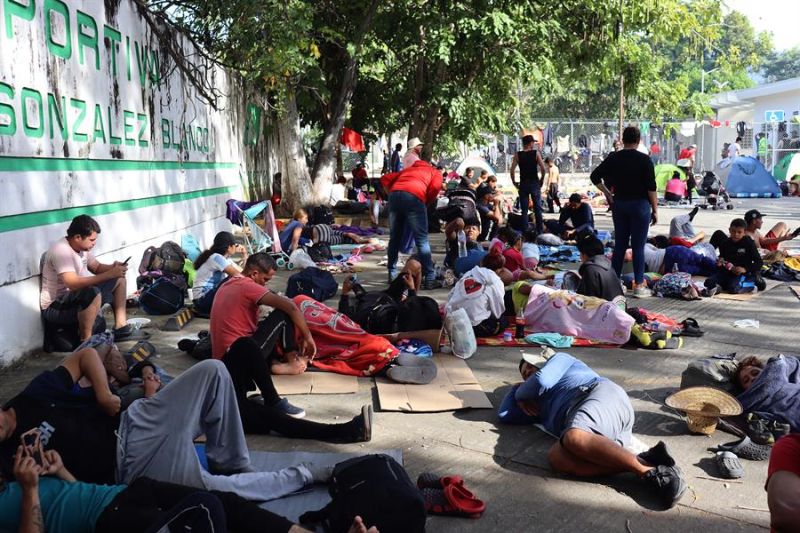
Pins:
<point x="81" y="433"/>
<point x="742" y="253"/>
<point x="628" y="173"/>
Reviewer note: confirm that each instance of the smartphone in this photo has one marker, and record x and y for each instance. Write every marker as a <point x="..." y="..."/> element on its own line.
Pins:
<point x="30" y="441"/>
<point x="126" y="261"/>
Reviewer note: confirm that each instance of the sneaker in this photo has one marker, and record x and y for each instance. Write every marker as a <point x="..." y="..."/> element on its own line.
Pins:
<point x="758" y="430"/>
<point x="668" y="483"/>
<point x="431" y="284"/>
<point x="641" y="291"/>
<point x="127" y="333"/>
<point x="710" y="292"/>
<point x="288" y="409"/>
<point x="779" y="429"/>
<point x="362" y="431"/>
<point x="657" y="455"/>
<point x="761" y="285"/>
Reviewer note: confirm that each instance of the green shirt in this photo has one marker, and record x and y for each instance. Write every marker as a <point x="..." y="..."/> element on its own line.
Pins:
<point x="73" y="507"/>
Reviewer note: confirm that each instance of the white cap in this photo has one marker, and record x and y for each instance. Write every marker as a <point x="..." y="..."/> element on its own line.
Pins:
<point x="538" y="359"/>
<point x="413" y="143"/>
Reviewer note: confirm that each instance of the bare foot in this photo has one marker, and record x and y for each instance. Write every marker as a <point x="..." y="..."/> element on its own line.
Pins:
<point x="359" y="527"/>
<point x="110" y="405"/>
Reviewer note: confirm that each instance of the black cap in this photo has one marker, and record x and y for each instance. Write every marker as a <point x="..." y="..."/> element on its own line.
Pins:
<point x="752" y="215"/>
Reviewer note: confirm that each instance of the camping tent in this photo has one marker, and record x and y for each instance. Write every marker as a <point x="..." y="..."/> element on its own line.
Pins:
<point x="748" y="178"/>
<point x="477" y="164"/>
<point x="664" y="173"/>
<point x="787" y="168"/>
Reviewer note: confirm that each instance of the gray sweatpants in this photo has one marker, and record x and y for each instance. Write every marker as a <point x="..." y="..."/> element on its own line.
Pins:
<point x="156" y="439"/>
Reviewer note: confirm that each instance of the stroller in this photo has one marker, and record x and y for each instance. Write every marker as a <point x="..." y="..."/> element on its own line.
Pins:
<point x="716" y="195"/>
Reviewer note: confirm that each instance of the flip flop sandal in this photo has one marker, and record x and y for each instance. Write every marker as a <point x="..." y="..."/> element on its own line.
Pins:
<point x="729" y="465"/>
<point x="691" y="328"/>
<point x="430" y="480"/>
<point x="436" y="503"/>
<point x="745" y="449"/>
<point x="464" y="501"/>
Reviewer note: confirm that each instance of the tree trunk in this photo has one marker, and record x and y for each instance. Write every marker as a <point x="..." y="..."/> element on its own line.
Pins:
<point x="324" y="169"/>
<point x="295" y="182"/>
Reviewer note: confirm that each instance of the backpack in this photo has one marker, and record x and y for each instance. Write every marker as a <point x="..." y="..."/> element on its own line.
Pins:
<point x="320" y="252"/>
<point x="164" y="296"/>
<point x="376" y="488"/>
<point x="672" y="285"/>
<point x="419" y="313"/>
<point x="313" y="282"/>
<point x="320" y="214"/>
<point x="377" y="312"/>
<point x="167" y="258"/>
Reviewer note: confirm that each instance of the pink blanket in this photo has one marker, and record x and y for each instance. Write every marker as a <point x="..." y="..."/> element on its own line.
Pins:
<point x="586" y="317"/>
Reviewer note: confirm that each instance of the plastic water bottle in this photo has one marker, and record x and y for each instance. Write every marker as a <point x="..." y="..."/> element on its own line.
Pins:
<point x="462" y="244"/>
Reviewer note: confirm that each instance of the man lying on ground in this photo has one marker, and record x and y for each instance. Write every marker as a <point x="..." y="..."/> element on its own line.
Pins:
<point x="327" y="234"/>
<point x="778" y="234"/>
<point x="75" y="285"/>
<point x="682" y="232"/>
<point x="154" y="438"/>
<point x="772" y="389"/>
<point x="47" y="497"/>
<point x="592" y="418"/>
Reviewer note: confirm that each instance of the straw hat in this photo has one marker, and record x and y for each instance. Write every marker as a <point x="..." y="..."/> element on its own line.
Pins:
<point x="704" y="406"/>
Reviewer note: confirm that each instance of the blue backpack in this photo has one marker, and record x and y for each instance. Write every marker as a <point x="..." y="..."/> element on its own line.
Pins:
<point x="313" y="282"/>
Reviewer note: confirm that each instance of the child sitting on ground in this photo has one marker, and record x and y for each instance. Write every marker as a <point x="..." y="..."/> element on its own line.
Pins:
<point x="597" y="277"/>
<point x="739" y="263"/>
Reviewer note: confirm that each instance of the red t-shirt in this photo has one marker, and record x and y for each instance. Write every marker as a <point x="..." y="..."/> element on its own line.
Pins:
<point x="234" y="313"/>
<point x="514" y="260"/>
<point x="785" y="456"/>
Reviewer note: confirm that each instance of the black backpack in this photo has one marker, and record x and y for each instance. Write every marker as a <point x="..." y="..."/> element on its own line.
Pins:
<point x="168" y="258"/>
<point x="164" y="296"/>
<point x="376" y="488"/>
<point x="377" y="312"/>
<point x="320" y="214"/>
<point x="419" y="313"/>
<point x="320" y="252"/>
<point x="313" y="282"/>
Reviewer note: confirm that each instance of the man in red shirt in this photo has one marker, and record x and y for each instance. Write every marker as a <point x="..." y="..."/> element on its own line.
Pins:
<point x="410" y="190"/>
<point x="783" y="484"/>
<point x="235" y="314"/>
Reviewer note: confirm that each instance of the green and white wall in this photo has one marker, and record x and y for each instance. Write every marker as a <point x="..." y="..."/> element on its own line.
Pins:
<point x="96" y="119"/>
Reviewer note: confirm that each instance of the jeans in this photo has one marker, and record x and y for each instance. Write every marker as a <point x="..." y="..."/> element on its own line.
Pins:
<point x="406" y="210"/>
<point x="552" y="197"/>
<point x="631" y="222"/>
<point x="531" y="190"/>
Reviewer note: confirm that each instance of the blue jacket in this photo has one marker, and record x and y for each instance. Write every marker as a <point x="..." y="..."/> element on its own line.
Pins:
<point x="556" y="387"/>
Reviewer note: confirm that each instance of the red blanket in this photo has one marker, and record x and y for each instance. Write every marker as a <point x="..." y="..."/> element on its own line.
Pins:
<point x="342" y="346"/>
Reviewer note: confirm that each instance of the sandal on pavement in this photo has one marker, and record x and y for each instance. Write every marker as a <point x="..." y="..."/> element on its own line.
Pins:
<point x="691" y="328"/>
<point x="429" y="480"/>
<point x="745" y="449"/>
<point x="729" y="465"/>
<point x="463" y="500"/>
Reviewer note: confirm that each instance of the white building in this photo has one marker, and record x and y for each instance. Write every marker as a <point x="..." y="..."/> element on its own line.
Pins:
<point x="771" y="108"/>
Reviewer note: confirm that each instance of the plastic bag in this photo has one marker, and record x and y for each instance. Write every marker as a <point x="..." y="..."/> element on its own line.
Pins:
<point x="462" y="337"/>
<point x="300" y="259"/>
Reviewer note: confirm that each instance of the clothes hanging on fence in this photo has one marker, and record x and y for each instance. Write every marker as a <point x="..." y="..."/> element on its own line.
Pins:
<point x="562" y="144"/>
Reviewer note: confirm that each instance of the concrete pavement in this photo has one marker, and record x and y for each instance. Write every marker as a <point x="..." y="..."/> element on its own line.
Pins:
<point x="506" y="466"/>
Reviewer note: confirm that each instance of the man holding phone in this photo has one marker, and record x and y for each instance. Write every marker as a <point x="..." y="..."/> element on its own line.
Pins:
<point x="75" y="285"/>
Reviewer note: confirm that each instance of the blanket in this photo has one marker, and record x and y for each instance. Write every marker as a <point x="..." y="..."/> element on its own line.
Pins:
<point x="498" y="340"/>
<point x="342" y="346"/>
<point x="579" y="316"/>
<point x="776" y="391"/>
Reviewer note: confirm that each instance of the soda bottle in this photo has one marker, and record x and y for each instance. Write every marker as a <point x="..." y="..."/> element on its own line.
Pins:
<point x="519" y="322"/>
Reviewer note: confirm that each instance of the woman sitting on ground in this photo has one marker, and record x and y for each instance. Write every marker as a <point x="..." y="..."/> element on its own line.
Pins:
<point x="291" y="236"/>
<point x="214" y="266"/>
<point x="675" y="189"/>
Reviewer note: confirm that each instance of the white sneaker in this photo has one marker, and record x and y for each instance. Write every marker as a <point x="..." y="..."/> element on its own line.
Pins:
<point x="642" y="292"/>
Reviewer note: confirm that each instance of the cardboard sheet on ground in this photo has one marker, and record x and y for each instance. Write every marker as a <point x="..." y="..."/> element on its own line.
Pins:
<point x="455" y="387"/>
<point x="771" y="284"/>
<point x="316" y="383"/>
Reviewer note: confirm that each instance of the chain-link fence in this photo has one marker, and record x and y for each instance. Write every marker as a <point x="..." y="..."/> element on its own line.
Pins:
<point x="771" y="142"/>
